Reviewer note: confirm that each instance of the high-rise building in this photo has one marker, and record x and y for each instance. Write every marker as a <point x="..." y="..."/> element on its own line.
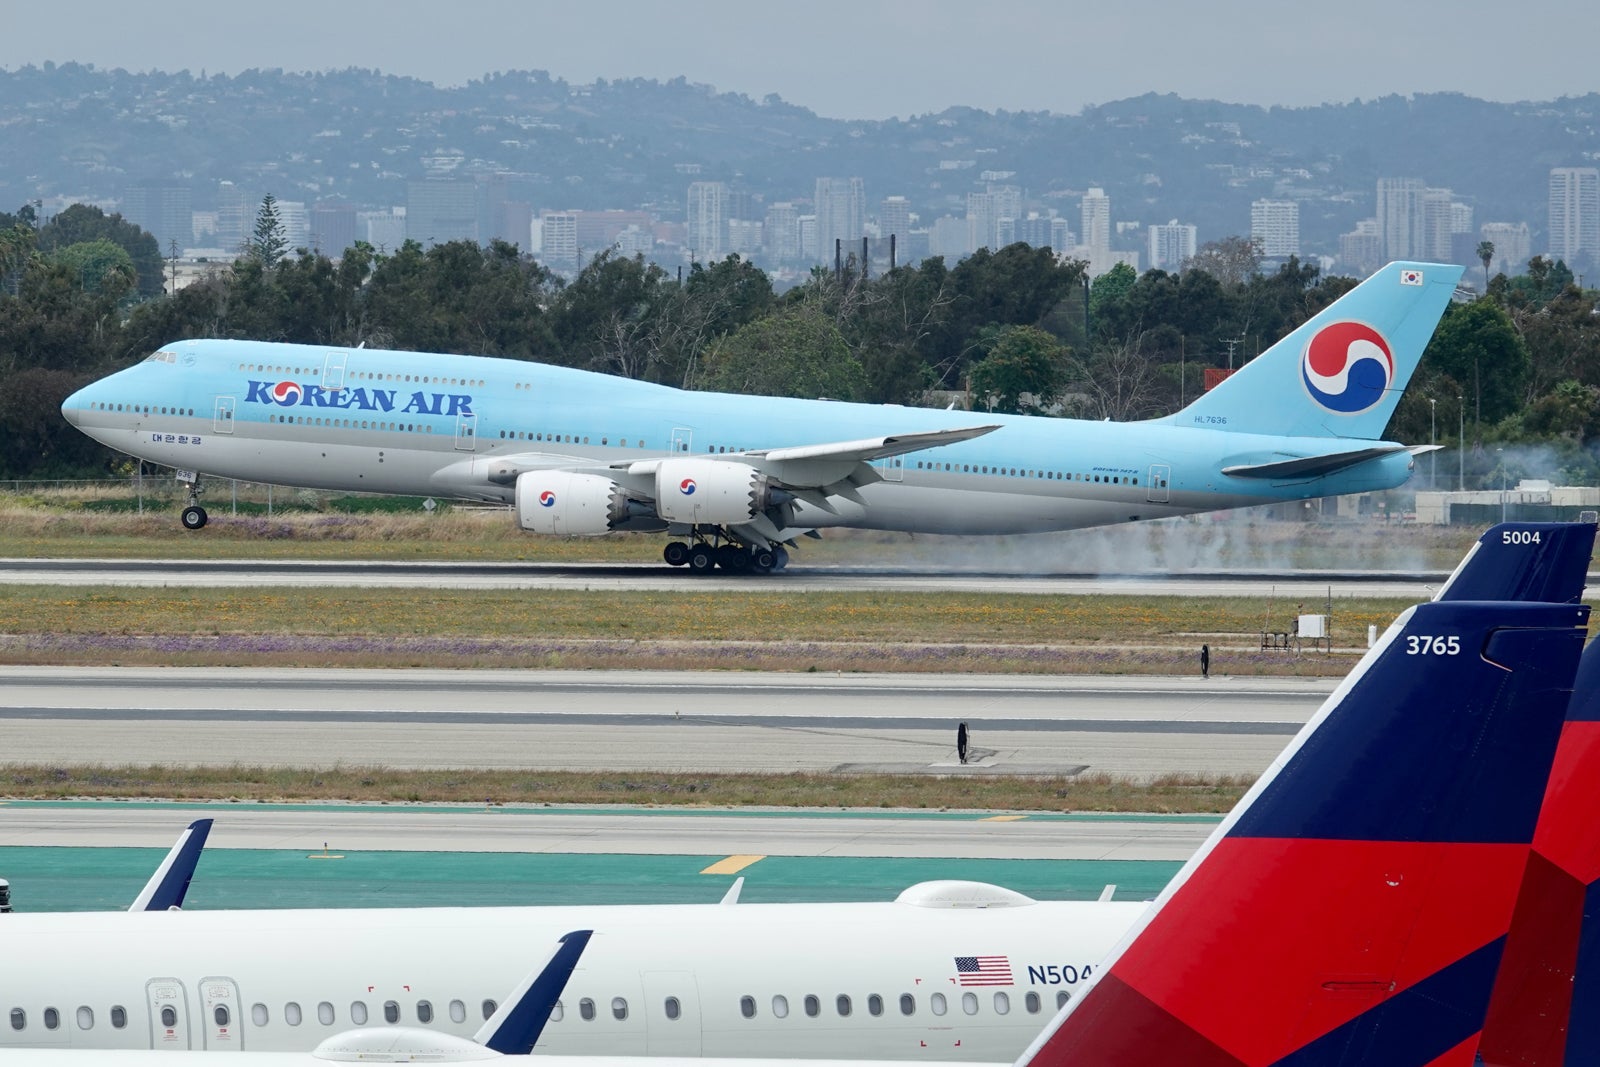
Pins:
<point x="1171" y="245"/>
<point x="1096" y="229"/>
<point x="236" y="215"/>
<point x="1574" y="213"/>
<point x="1275" y="224"/>
<point x="1361" y="250"/>
<point x="1438" y="220"/>
<point x="1402" y="218"/>
<point x="560" y="238"/>
<point x="983" y="221"/>
<point x="841" y="216"/>
<point x="296" y="223"/>
<point x="383" y="230"/>
<point x="163" y="209"/>
<point x="440" y="210"/>
<point x="744" y="236"/>
<point x="708" y="220"/>
<point x="894" y="217"/>
<point x="949" y="239"/>
<point x="1513" y="245"/>
<point x="781" y="234"/>
<point x="333" y="227"/>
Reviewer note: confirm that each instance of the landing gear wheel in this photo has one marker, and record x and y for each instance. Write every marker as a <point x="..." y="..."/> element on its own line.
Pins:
<point x="738" y="561"/>
<point x="702" y="559"/>
<point x="727" y="557"/>
<point x="676" y="553"/>
<point x="783" y="557"/>
<point x="763" y="560"/>
<point x="193" y="517"/>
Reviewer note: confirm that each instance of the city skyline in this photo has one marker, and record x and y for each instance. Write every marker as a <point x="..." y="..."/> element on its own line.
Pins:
<point x="924" y="57"/>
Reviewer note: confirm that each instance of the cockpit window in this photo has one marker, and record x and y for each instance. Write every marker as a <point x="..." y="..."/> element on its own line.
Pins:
<point x="162" y="357"/>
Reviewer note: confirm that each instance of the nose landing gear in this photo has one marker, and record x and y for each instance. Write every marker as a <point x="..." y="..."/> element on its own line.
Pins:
<point x="193" y="516"/>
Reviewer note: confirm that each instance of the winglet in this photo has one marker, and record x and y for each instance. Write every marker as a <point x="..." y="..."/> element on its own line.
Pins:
<point x="170" y="883"/>
<point x="1326" y="913"/>
<point x="514" y="1029"/>
<point x="1533" y="562"/>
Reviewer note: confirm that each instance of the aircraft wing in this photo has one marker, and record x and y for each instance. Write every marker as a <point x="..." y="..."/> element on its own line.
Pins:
<point x="170" y="883"/>
<point x="1314" y="466"/>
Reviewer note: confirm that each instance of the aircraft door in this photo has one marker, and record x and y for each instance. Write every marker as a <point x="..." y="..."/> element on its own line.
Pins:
<point x="671" y="1013"/>
<point x="333" y="370"/>
<point x="466" y="432"/>
<point x="219" y="1006"/>
<point x="169" y="1013"/>
<point x="681" y="439"/>
<point x="222" y="421"/>
<point x="1156" y="490"/>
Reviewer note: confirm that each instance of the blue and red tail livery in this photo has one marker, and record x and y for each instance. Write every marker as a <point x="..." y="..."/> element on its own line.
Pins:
<point x="1546" y="1004"/>
<point x="1354" y="907"/>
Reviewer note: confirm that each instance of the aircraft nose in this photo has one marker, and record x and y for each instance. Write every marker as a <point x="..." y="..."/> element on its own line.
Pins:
<point x="73" y="406"/>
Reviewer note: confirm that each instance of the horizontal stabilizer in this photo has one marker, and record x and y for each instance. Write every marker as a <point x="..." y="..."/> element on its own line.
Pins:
<point x="1312" y="466"/>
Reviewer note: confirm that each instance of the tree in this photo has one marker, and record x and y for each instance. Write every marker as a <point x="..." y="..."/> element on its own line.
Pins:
<point x="1231" y="261"/>
<point x="798" y="351"/>
<point x="102" y="267"/>
<point x="81" y="223"/>
<point x="268" y="241"/>
<point x="1477" y="345"/>
<point x="1486" y="256"/>
<point x="1023" y="373"/>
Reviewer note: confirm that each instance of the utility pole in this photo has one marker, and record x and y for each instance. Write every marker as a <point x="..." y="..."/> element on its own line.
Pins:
<point x="1433" y="439"/>
<point x="1461" y="444"/>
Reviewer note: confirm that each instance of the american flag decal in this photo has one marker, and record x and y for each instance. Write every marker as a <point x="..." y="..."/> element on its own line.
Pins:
<point x="983" y="970"/>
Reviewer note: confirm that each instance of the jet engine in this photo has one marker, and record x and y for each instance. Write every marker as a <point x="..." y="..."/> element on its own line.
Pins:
<point x="570" y="505"/>
<point x="709" y="492"/>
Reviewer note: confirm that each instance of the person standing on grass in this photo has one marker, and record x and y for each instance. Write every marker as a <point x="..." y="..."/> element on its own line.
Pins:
<point x="1205" y="661"/>
<point x="961" y="742"/>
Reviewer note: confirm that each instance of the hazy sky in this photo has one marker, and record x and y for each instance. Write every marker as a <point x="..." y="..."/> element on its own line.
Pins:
<point x="870" y="58"/>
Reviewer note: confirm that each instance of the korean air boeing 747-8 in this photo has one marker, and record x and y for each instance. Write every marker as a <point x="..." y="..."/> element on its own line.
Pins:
<point x="733" y="479"/>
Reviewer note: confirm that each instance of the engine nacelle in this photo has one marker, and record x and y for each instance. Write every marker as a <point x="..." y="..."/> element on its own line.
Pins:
<point x="569" y="505"/>
<point x="710" y="492"/>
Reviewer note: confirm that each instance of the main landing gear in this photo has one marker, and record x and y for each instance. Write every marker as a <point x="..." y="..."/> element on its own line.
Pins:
<point x="702" y="557"/>
<point x="193" y="516"/>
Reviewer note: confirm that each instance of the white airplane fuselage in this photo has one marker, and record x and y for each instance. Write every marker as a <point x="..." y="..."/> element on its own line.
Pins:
<point x="863" y="981"/>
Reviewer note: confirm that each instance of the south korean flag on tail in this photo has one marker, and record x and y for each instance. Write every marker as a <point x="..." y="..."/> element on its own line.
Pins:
<point x="1411" y="277"/>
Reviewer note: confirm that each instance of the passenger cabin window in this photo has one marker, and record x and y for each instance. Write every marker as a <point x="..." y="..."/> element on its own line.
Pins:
<point x="874" y="1005"/>
<point x="841" y="1004"/>
<point x="19" y="1018"/>
<point x="424" y="1012"/>
<point x="324" y="1013"/>
<point x="221" y="1014"/>
<point x="908" y="1004"/>
<point x="969" y="1003"/>
<point x="169" y="1017"/>
<point x="258" y="1015"/>
<point x="936" y="1004"/>
<point x="780" y="1006"/>
<point x="619" y="1009"/>
<point x="358" y="1012"/>
<point x="1002" y="1004"/>
<point x="672" y="1008"/>
<point x="747" y="1007"/>
<point x="586" y="1010"/>
<point x="813" y="1005"/>
<point x="1061" y="999"/>
<point x="292" y="1014"/>
<point x="555" y="1013"/>
<point x="85" y="1018"/>
<point x="488" y="1008"/>
<point x="391" y="1012"/>
<point x="458" y="1011"/>
<point x="52" y="1019"/>
<point x="1031" y="1002"/>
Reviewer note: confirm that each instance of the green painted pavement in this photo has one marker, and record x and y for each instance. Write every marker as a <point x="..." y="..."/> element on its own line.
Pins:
<point x="88" y="879"/>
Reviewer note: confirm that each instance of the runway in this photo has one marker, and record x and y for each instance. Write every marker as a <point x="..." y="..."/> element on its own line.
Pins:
<point x="1417" y="585"/>
<point x="657" y="720"/>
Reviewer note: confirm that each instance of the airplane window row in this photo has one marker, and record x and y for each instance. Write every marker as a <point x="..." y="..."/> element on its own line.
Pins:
<point x="358" y="1014"/>
<point x="560" y="439"/>
<point x="724" y="448"/>
<point x="1013" y="472"/>
<point x="356" y="424"/>
<point x="141" y="409"/>
<point x="938" y="1004"/>
<point x="365" y="376"/>
<point x="51" y="1018"/>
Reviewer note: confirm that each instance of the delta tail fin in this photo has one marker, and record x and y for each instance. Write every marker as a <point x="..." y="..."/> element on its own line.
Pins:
<point x="170" y="883"/>
<point x="1353" y="908"/>
<point x="1342" y="372"/>
<point x="1531" y="562"/>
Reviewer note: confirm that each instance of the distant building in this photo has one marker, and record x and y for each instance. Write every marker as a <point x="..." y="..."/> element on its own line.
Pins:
<point x="296" y="223"/>
<point x="164" y="209"/>
<point x="440" y="210"/>
<point x="781" y="234"/>
<point x="807" y="226"/>
<point x="841" y="205"/>
<point x="894" y="217"/>
<point x="559" y="247"/>
<point x="1438" y="225"/>
<point x="383" y="230"/>
<point x="1402" y="218"/>
<point x="1575" y="213"/>
<point x="1045" y="231"/>
<point x="1096" y="230"/>
<point x="744" y="237"/>
<point x="1513" y="246"/>
<point x="598" y="230"/>
<point x="983" y="219"/>
<point x="949" y="238"/>
<point x="236" y="215"/>
<point x="1275" y="224"/>
<point x="1361" y="250"/>
<point x="1171" y="246"/>
<point x="708" y="220"/>
<point x="634" y="241"/>
<point x="333" y="227"/>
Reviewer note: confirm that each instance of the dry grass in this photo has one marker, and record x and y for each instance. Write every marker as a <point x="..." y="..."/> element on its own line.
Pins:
<point x="1089" y="793"/>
